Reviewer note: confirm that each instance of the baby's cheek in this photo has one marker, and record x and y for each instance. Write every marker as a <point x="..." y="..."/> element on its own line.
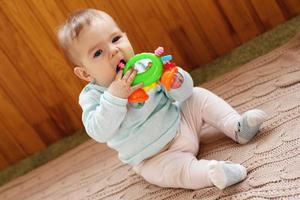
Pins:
<point x="128" y="52"/>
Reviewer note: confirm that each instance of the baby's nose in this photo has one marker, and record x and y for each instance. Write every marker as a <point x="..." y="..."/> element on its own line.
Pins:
<point x="114" y="50"/>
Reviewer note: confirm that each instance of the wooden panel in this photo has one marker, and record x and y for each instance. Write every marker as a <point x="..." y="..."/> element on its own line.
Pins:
<point x="10" y="149"/>
<point x="39" y="93"/>
<point x="19" y="128"/>
<point x="239" y="15"/>
<point x="3" y="163"/>
<point x="47" y="85"/>
<point x="17" y="75"/>
<point x="214" y="25"/>
<point x="189" y="40"/>
<point x="269" y="12"/>
<point x="291" y="7"/>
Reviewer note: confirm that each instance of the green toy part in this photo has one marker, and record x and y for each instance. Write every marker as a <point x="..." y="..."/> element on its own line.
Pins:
<point x="150" y="73"/>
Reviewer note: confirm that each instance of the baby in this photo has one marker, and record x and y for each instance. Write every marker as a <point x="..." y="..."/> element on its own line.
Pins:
<point x="160" y="140"/>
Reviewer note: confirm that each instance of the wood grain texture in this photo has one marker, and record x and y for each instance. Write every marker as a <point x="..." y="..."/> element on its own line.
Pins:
<point x="39" y="93"/>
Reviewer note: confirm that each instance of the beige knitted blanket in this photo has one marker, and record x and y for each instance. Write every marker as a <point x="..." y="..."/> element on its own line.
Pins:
<point x="271" y="83"/>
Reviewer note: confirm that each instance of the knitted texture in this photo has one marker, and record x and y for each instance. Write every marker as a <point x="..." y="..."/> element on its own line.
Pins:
<point x="270" y="82"/>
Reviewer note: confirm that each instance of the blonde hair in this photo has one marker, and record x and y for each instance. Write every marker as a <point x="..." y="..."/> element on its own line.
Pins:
<point x="71" y="28"/>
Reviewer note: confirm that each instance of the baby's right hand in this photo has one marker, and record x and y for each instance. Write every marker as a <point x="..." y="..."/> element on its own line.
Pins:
<point x="121" y="86"/>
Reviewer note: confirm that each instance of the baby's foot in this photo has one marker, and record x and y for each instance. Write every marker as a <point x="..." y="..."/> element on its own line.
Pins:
<point x="224" y="173"/>
<point x="248" y="125"/>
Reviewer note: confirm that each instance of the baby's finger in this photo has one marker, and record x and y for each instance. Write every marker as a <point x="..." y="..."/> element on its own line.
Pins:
<point x="138" y="86"/>
<point x="131" y="77"/>
<point x="127" y="74"/>
<point x="119" y="75"/>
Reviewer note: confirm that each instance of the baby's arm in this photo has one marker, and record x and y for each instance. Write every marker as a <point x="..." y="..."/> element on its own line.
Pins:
<point x="102" y="114"/>
<point x="183" y="92"/>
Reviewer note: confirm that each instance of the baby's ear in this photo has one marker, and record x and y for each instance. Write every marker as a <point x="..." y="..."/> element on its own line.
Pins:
<point x="82" y="73"/>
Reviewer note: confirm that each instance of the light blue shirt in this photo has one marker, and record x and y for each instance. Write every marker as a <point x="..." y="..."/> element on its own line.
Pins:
<point x="135" y="133"/>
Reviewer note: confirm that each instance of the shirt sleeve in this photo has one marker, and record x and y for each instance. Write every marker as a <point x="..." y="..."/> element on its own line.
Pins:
<point x="185" y="90"/>
<point x="102" y="114"/>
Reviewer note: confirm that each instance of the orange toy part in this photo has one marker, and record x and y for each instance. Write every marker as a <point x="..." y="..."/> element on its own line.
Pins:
<point x="138" y="96"/>
<point x="167" y="77"/>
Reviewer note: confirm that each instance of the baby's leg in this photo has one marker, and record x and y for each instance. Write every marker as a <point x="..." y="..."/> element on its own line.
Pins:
<point x="209" y="134"/>
<point x="183" y="170"/>
<point x="216" y="112"/>
<point x="177" y="170"/>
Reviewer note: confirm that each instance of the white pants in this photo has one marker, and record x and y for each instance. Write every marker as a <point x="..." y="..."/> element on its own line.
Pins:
<point x="203" y="117"/>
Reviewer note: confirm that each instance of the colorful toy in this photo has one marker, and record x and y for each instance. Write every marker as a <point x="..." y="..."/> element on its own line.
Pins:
<point x="151" y="68"/>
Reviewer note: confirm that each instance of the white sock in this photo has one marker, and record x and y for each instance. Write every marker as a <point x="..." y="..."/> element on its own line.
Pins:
<point x="224" y="173"/>
<point x="248" y="125"/>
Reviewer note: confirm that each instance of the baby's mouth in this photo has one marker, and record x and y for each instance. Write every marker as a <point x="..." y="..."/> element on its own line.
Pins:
<point x="121" y="65"/>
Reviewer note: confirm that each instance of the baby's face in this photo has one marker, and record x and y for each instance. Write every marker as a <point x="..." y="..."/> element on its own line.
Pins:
<point x="100" y="47"/>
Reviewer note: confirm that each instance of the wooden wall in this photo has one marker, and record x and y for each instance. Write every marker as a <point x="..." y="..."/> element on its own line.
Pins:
<point x="38" y="92"/>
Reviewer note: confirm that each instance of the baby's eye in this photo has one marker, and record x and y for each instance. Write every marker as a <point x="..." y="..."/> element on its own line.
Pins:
<point x="115" y="39"/>
<point x="97" y="53"/>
